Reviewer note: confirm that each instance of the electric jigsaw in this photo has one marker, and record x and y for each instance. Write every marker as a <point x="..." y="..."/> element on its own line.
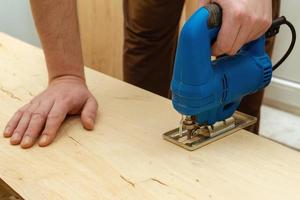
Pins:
<point x="208" y="92"/>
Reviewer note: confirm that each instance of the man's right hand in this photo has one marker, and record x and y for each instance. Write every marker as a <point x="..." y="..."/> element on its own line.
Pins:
<point x="42" y="117"/>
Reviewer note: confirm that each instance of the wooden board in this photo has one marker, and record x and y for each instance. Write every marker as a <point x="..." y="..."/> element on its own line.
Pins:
<point x="125" y="156"/>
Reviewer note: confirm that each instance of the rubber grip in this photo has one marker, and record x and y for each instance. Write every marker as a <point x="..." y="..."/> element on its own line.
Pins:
<point x="215" y="15"/>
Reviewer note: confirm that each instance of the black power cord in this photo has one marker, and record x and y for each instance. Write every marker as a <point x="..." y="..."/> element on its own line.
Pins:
<point x="274" y="29"/>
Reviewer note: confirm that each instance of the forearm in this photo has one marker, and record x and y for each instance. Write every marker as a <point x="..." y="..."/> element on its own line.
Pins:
<point x="57" y="25"/>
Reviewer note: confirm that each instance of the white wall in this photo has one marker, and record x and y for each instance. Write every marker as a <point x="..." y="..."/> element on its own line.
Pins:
<point x="284" y="91"/>
<point x="16" y="20"/>
<point x="290" y="70"/>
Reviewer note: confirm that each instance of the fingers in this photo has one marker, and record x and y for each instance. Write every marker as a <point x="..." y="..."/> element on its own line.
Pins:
<point x="27" y="124"/>
<point x="227" y="34"/>
<point x="36" y="124"/>
<point x="242" y="37"/>
<point x="54" y="120"/>
<point x="13" y="122"/>
<point x="243" y="21"/>
<point x="46" y="113"/>
<point x="22" y="124"/>
<point x="264" y="24"/>
<point x="89" y="113"/>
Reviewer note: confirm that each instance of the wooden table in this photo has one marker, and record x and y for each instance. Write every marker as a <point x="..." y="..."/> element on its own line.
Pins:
<point x="125" y="156"/>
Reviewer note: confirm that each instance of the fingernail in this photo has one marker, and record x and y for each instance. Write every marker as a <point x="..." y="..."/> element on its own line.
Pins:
<point x="27" y="140"/>
<point x="6" y="132"/>
<point x="90" y="123"/>
<point x="44" y="139"/>
<point x="15" y="138"/>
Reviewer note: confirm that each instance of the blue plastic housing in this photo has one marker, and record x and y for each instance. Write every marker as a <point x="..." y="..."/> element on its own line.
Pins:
<point x="212" y="90"/>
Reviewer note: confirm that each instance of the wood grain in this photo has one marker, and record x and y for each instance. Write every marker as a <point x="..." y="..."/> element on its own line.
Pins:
<point x="125" y="156"/>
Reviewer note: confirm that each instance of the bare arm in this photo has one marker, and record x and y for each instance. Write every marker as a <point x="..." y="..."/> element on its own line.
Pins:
<point x="67" y="93"/>
<point x="57" y="25"/>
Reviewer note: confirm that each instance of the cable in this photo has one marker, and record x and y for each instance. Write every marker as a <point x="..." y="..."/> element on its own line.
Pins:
<point x="274" y="29"/>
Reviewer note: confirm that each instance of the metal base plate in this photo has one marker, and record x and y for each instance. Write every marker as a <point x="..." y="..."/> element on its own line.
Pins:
<point x="241" y="121"/>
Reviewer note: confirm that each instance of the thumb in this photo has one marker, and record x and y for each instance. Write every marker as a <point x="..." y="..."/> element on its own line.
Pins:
<point x="89" y="113"/>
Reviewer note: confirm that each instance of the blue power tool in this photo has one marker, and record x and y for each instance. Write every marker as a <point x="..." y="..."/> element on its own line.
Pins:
<point x="207" y="93"/>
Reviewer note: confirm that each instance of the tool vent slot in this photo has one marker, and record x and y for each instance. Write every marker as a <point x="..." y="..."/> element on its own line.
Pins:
<point x="225" y="88"/>
<point x="267" y="75"/>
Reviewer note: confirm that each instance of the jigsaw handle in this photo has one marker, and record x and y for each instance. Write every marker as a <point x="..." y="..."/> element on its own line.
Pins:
<point x="215" y="15"/>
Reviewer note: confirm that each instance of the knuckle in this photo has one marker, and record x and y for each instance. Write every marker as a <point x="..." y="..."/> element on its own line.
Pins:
<point x="19" y="112"/>
<point x="240" y="13"/>
<point x="67" y="101"/>
<point x="267" y="21"/>
<point x="253" y="19"/>
<point x="47" y="132"/>
<point x="254" y="16"/>
<point x="22" y="109"/>
<point x="29" y="134"/>
<point x="248" y="19"/>
<point x="18" y="131"/>
<point x="94" y="100"/>
<point x="38" y="115"/>
<point x="54" y="116"/>
<point x="33" y="102"/>
<point x="27" y="113"/>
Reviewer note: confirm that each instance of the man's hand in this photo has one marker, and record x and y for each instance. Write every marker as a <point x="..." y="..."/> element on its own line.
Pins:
<point x="243" y="21"/>
<point x="57" y="25"/>
<point x="67" y="95"/>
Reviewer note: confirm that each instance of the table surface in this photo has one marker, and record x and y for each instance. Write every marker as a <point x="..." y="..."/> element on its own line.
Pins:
<point x="125" y="156"/>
